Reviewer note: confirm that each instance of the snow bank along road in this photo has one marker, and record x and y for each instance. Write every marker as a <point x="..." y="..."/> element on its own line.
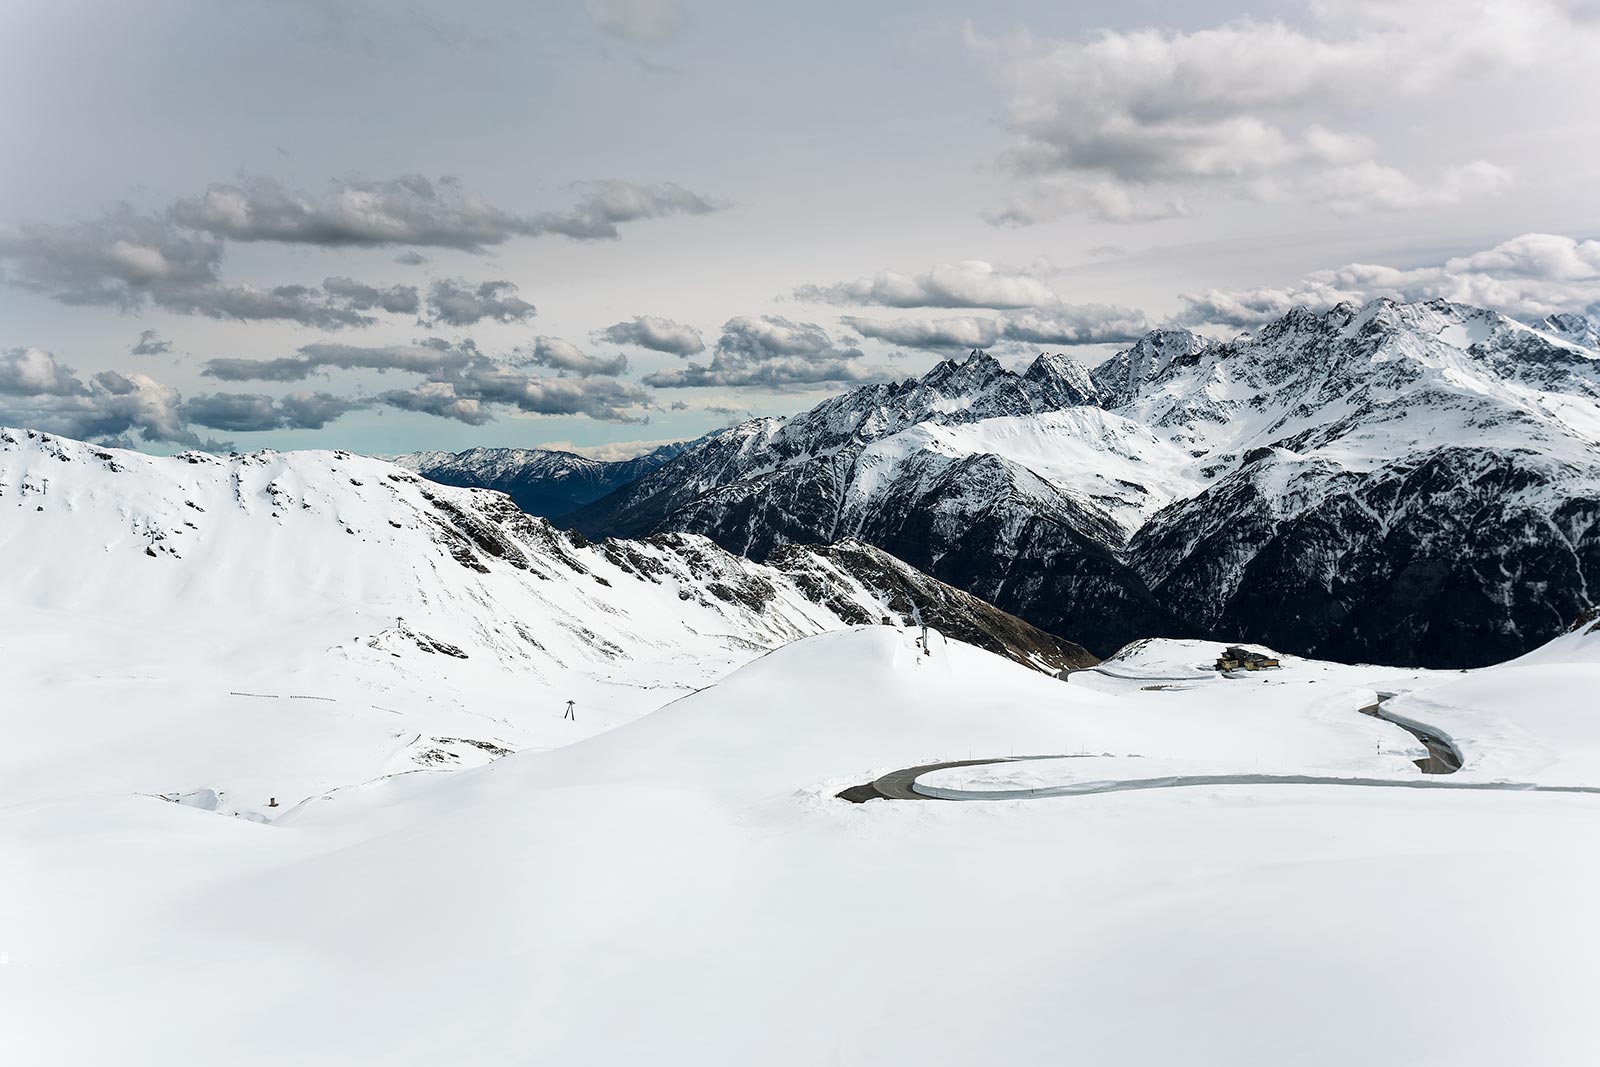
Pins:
<point x="1443" y="758"/>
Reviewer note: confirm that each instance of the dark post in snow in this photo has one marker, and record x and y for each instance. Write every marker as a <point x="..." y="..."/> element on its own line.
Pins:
<point x="570" y="714"/>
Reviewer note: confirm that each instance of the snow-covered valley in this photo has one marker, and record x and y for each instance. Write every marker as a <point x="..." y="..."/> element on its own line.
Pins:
<point x="454" y="872"/>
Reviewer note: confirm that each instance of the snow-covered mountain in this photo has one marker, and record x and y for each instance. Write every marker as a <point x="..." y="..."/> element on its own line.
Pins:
<point x="252" y="593"/>
<point x="541" y="481"/>
<point x="689" y="889"/>
<point x="1404" y="483"/>
<point x="305" y="641"/>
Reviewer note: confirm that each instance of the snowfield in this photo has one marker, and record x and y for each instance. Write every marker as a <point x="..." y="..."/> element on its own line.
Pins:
<point x="673" y="879"/>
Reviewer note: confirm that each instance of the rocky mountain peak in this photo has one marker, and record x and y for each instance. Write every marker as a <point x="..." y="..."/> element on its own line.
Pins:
<point x="1573" y="328"/>
<point x="1061" y="380"/>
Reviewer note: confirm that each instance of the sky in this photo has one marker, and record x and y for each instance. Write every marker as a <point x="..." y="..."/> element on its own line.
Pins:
<point x="602" y="224"/>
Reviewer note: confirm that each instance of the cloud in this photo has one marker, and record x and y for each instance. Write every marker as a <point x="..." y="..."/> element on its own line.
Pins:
<point x="1527" y="277"/>
<point x="607" y="203"/>
<point x="397" y="299"/>
<point x="1368" y="186"/>
<point x="127" y="260"/>
<point x="411" y="258"/>
<point x="566" y="356"/>
<point x="771" y="352"/>
<point x="429" y="357"/>
<point x="407" y="210"/>
<point x="35" y="372"/>
<point x="1114" y="124"/>
<point x="117" y="259"/>
<point x="658" y="335"/>
<point x="970" y="283"/>
<point x="611" y="450"/>
<point x="39" y="392"/>
<point x="460" y="303"/>
<point x="1053" y="198"/>
<point x="257" y="412"/>
<point x="1064" y="324"/>
<point x="469" y="395"/>
<point x="931" y="334"/>
<point x="1075" y="324"/>
<point x="636" y="20"/>
<point x="149" y="344"/>
<point x="414" y="210"/>
<point x="460" y="381"/>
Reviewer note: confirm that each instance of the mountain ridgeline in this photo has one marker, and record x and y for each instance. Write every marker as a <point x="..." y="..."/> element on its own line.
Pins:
<point x="540" y="481"/>
<point x="1414" y="484"/>
<point x="434" y="573"/>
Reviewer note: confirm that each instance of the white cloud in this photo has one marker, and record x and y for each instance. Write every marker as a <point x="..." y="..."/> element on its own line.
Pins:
<point x="1528" y="277"/>
<point x="656" y="334"/>
<point x="565" y="356"/>
<point x="1064" y="324"/>
<point x="970" y="283"/>
<point x="771" y="352"/>
<point x="1121" y="124"/>
<point x="933" y="335"/>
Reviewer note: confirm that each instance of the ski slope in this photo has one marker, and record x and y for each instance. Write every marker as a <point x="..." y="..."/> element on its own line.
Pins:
<point x="686" y="889"/>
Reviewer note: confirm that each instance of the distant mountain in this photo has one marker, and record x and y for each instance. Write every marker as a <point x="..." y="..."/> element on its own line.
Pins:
<point x="1400" y="483"/>
<point x="423" y="574"/>
<point x="541" y="481"/>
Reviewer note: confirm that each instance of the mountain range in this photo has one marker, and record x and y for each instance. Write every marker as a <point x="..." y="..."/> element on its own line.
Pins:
<point x="430" y="579"/>
<point x="540" y="481"/>
<point x="1405" y="483"/>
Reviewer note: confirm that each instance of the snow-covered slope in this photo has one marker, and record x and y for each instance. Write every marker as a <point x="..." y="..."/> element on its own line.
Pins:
<point x="540" y="481"/>
<point x="1407" y="483"/>
<point x="204" y="616"/>
<point x="686" y="889"/>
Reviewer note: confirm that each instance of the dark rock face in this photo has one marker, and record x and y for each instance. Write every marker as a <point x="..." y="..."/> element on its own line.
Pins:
<point x="540" y="481"/>
<point x="1414" y="484"/>
<point x="916" y="597"/>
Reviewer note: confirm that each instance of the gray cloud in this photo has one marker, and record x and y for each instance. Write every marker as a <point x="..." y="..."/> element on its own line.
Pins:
<point x="1117" y="124"/>
<point x="407" y="210"/>
<point x="1065" y="324"/>
<point x="930" y="334"/>
<point x="470" y="394"/>
<point x="1075" y="324"/>
<point x="35" y="372"/>
<point x="636" y="20"/>
<point x="567" y="357"/>
<point x="117" y="259"/>
<point x="256" y="412"/>
<point x="461" y="303"/>
<point x="126" y="260"/>
<point x="411" y="258"/>
<point x="772" y="353"/>
<point x="971" y="283"/>
<point x="608" y="203"/>
<point x="39" y="392"/>
<point x="397" y="299"/>
<point x="150" y="344"/>
<point x="414" y="210"/>
<point x="428" y="357"/>
<point x="656" y="334"/>
<point x="460" y="381"/>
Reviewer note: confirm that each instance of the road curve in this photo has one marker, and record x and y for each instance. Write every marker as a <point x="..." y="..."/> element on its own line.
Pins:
<point x="1443" y="758"/>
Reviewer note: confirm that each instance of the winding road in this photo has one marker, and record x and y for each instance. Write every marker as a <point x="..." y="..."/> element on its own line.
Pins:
<point x="1443" y="758"/>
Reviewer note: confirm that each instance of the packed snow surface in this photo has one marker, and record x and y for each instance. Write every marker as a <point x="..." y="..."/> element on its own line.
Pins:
<point x="685" y="887"/>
